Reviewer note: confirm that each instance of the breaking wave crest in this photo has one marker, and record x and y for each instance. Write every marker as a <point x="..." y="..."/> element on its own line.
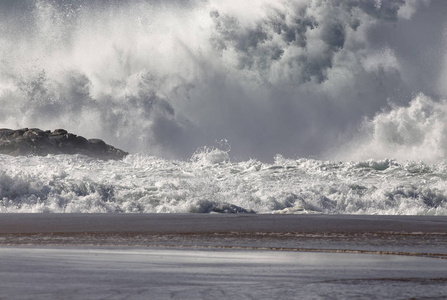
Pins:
<point x="356" y="85"/>
<point x="414" y="132"/>
<point x="145" y="184"/>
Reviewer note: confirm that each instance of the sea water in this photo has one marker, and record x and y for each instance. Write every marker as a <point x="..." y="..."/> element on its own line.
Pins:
<point x="211" y="183"/>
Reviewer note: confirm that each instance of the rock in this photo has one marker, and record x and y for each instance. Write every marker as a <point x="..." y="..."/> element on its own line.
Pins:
<point x="34" y="141"/>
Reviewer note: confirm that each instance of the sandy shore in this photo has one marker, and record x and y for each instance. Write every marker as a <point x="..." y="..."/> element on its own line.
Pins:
<point x="210" y="223"/>
<point x="410" y="235"/>
<point x="203" y="256"/>
<point x="135" y="273"/>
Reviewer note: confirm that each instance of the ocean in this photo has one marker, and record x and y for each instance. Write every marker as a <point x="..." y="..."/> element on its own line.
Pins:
<point x="228" y="107"/>
<point x="287" y="149"/>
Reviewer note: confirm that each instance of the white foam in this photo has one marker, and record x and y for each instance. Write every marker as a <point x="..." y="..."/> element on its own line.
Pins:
<point x="147" y="184"/>
<point x="412" y="132"/>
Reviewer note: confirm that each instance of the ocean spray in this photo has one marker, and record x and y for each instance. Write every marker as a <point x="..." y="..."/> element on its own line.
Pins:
<point x="292" y="77"/>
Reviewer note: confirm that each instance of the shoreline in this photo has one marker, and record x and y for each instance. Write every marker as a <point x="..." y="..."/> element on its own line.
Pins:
<point x="171" y="223"/>
<point x="104" y="273"/>
<point x="395" y="235"/>
<point x="202" y="256"/>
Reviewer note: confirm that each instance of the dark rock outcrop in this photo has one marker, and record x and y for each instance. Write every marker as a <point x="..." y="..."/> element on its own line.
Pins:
<point x="33" y="141"/>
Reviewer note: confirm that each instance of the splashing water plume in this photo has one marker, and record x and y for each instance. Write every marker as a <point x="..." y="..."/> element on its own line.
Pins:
<point x="316" y="81"/>
<point x="289" y="77"/>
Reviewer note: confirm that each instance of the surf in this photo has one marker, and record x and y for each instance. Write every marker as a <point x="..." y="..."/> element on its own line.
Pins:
<point x="206" y="184"/>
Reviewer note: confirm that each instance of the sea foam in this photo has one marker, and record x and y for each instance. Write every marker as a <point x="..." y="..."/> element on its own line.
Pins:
<point x="146" y="184"/>
<point x="351" y="93"/>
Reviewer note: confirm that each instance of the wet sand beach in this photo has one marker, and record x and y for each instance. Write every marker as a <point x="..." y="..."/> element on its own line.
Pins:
<point x="415" y="235"/>
<point x="202" y="256"/>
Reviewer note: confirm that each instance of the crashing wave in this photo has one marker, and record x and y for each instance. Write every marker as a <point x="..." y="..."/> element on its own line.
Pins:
<point x="144" y="184"/>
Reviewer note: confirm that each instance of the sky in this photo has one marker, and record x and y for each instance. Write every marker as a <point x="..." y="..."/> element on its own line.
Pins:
<point x="350" y="80"/>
